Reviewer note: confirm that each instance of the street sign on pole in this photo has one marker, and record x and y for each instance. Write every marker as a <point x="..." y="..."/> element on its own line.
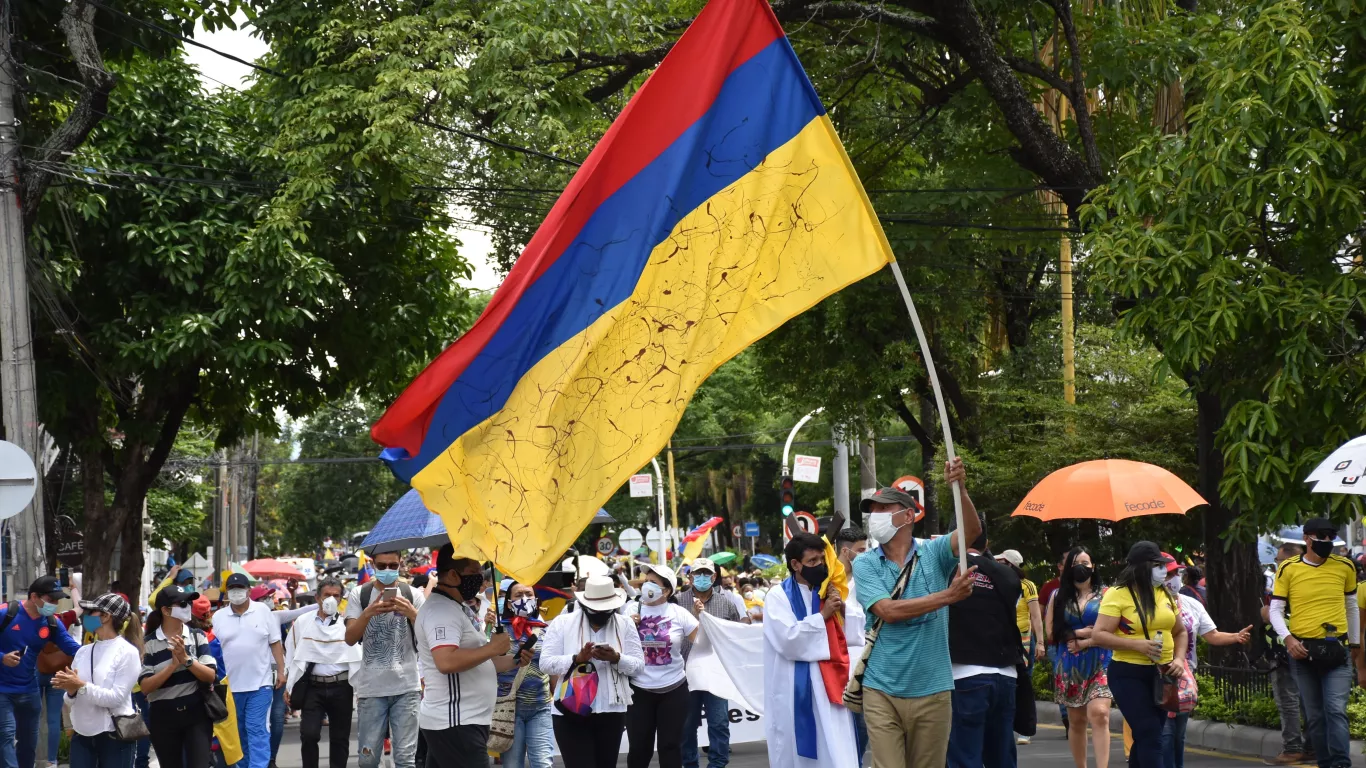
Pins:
<point x="806" y="469"/>
<point x="654" y="539"/>
<point x="737" y="530"/>
<point x="606" y="546"/>
<point x="807" y="522"/>
<point x="751" y="528"/>
<point x="642" y="486"/>
<point x="630" y="540"/>
<point x="18" y="479"/>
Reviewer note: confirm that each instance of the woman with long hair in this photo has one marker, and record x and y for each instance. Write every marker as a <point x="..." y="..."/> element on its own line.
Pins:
<point x="1079" y="677"/>
<point x="659" y="694"/>
<point x="1138" y="622"/>
<point x="533" y="738"/>
<point x="175" y="662"/>
<point x="100" y="683"/>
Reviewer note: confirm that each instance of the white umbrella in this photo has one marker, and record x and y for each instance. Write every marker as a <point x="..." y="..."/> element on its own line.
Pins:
<point x="1341" y="472"/>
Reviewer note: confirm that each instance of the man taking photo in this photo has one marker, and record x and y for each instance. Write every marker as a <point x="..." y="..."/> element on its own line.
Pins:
<point x="380" y="616"/>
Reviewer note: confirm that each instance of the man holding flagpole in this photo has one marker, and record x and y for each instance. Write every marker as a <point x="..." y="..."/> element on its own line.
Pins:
<point x="805" y="722"/>
<point x="908" y="677"/>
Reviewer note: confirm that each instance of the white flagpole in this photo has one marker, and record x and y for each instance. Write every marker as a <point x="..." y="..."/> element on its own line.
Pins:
<point x="943" y="412"/>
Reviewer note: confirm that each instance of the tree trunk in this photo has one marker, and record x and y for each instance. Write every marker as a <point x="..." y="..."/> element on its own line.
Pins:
<point x="132" y="552"/>
<point x="98" y="533"/>
<point x="1232" y="574"/>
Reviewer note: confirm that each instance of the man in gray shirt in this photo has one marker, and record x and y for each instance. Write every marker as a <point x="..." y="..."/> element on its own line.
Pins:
<point x="388" y="688"/>
<point x="704" y="597"/>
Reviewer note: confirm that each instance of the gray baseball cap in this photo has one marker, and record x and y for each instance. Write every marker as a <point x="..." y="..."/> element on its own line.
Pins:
<point x="889" y="496"/>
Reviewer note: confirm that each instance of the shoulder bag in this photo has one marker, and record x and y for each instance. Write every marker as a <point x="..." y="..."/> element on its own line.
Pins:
<point x="215" y="708"/>
<point x="505" y="715"/>
<point x="853" y="692"/>
<point x="1166" y="688"/>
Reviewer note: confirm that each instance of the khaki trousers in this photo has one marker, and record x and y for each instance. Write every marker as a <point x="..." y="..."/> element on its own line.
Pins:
<point x="908" y="733"/>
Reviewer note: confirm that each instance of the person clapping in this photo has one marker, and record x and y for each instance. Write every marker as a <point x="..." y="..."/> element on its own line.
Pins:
<point x="100" y="682"/>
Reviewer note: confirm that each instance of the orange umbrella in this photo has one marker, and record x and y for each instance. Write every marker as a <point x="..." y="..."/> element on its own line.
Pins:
<point x="1109" y="489"/>
<point x="267" y="568"/>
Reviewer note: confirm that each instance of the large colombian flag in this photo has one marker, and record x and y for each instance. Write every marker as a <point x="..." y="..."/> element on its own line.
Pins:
<point x="718" y="205"/>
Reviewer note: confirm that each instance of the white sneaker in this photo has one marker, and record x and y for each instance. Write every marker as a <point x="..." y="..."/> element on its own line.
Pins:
<point x="1021" y="739"/>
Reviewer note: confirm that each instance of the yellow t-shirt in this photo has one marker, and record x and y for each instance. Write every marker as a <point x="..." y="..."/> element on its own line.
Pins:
<point x="1315" y="595"/>
<point x="1119" y="602"/>
<point x="1028" y="594"/>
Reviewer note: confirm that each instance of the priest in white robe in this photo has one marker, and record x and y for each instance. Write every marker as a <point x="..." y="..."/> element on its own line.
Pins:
<point x="802" y="725"/>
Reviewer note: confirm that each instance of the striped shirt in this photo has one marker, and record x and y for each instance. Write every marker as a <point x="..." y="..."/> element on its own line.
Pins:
<point x="458" y="698"/>
<point x="157" y="656"/>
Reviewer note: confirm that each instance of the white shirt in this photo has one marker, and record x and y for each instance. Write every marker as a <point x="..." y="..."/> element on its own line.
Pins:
<point x="390" y="664"/>
<point x="246" y="641"/>
<point x="451" y="699"/>
<point x="737" y="601"/>
<point x="109" y="684"/>
<point x="1201" y="623"/>
<point x="566" y="636"/>
<point x="662" y="629"/>
<point x="320" y="669"/>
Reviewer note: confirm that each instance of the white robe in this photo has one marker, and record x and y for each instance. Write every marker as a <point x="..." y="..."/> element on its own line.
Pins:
<point x="787" y="641"/>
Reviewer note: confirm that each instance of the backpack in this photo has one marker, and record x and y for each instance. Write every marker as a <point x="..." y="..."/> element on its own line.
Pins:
<point x="50" y="658"/>
<point x="405" y="589"/>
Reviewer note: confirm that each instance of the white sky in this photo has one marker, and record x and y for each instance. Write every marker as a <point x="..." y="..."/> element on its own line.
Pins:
<point x="216" y="71"/>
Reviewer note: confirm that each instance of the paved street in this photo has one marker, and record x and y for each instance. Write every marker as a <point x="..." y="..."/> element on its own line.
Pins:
<point x="1049" y="750"/>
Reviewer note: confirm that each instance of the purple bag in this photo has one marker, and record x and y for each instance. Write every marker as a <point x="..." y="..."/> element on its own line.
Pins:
<point x="578" y="689"/>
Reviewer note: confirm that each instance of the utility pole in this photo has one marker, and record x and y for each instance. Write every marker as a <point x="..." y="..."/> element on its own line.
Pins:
<point x="840" y="478"/>
<point x="867" y="466"/>
<point x="17" y="388"/>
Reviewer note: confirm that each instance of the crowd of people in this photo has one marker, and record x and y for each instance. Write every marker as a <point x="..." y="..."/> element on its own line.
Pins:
<point x="875" y="643"/>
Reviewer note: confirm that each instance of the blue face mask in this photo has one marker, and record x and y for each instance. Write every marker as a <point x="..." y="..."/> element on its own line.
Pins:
<point x="48" y="609"/>
<point x="701" y="582"/>
<point x="386" y="576"/>
<point x="90" y="623"/>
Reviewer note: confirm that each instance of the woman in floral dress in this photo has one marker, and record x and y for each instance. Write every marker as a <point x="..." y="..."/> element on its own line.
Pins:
<point x="1079" y="681"/>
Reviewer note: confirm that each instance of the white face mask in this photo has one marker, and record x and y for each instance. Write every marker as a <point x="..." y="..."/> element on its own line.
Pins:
<point x="330" y="606"/>
<point x="181" y="613"/>
<point x="651" y="593"/>
<point x="1159" y="574"/>
<point x="237" y="596"/>
<point x="1174" y="583"/>
<point x="749" y="594"/>
<point x="880" y="527"/>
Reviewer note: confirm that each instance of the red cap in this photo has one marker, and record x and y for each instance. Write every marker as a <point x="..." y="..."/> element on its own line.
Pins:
<point x="200" y="608"/>
<point x="1172" y="565"/>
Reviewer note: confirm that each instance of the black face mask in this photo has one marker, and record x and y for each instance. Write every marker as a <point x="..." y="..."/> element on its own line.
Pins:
<point x="1081" y="573"/>
<point x="597" y="619"/>
<point x="815" y="575"/>
<point x="1322" y="549"/>
<point x="470" y="588"/>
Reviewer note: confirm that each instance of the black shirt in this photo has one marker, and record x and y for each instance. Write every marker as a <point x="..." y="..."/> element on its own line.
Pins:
<point x="982" y="629"/>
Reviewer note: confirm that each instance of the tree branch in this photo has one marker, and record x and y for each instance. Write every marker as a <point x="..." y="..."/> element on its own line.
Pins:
<point x="78" y="23"/>
<point x="1077" y="93"/>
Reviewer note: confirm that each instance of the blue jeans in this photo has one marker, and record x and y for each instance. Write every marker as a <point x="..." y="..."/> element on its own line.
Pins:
<point x="983" y="716"/>
<point x="1325" y="705"/>
<point x="1174" y="740"/>
<point x="52" y="700"/>
<point x="101" y="751"/>
<point x="253" y="721"/>
<point x="533" y="739"/>
<point x="396" y="716"/>
<point x="1132" y="687"/>
<point x="277" y="721"/>
<point x="19" y="722"/>
<point x="860" y="735"/>
<point x="718" y="730"/>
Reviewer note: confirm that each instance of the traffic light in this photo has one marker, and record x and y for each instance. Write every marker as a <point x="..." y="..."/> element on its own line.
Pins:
<point x="789" y="496"/>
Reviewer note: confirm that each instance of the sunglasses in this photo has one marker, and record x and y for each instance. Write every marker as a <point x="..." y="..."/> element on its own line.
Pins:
<point x="386" y="566"/>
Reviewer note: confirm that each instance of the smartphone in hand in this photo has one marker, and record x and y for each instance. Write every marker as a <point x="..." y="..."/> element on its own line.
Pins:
<point x="389" y="593"/>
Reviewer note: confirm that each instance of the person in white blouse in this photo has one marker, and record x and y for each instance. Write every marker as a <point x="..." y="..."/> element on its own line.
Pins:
<point x="595" y="640"/>
<point x="100" y="682"/>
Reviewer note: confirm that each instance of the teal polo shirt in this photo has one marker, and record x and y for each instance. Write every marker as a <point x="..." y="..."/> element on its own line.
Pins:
<point x="910" y="658"/>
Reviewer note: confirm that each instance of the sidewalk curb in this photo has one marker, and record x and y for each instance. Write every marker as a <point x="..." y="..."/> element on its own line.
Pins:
<point x="1218" y="737"/>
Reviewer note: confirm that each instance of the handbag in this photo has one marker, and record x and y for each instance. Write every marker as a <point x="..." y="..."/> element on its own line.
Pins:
<point x="1325" y="654"/>
<point x="853" y="692"/>
<point x="504" y="723"/>
<point x="215" y="708"/>
<point x="577" y="690"/>
<point x="1166" y="688"/>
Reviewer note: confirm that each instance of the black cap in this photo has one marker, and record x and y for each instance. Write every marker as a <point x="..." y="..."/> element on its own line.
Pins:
<point x="1320" y="526"/>
<point x="1147" y="552"/>
<point x="47" y="586"/>
<point x="237" y="580"/>
<point x="172" y="594"/>
<point x="889" y="496"/>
